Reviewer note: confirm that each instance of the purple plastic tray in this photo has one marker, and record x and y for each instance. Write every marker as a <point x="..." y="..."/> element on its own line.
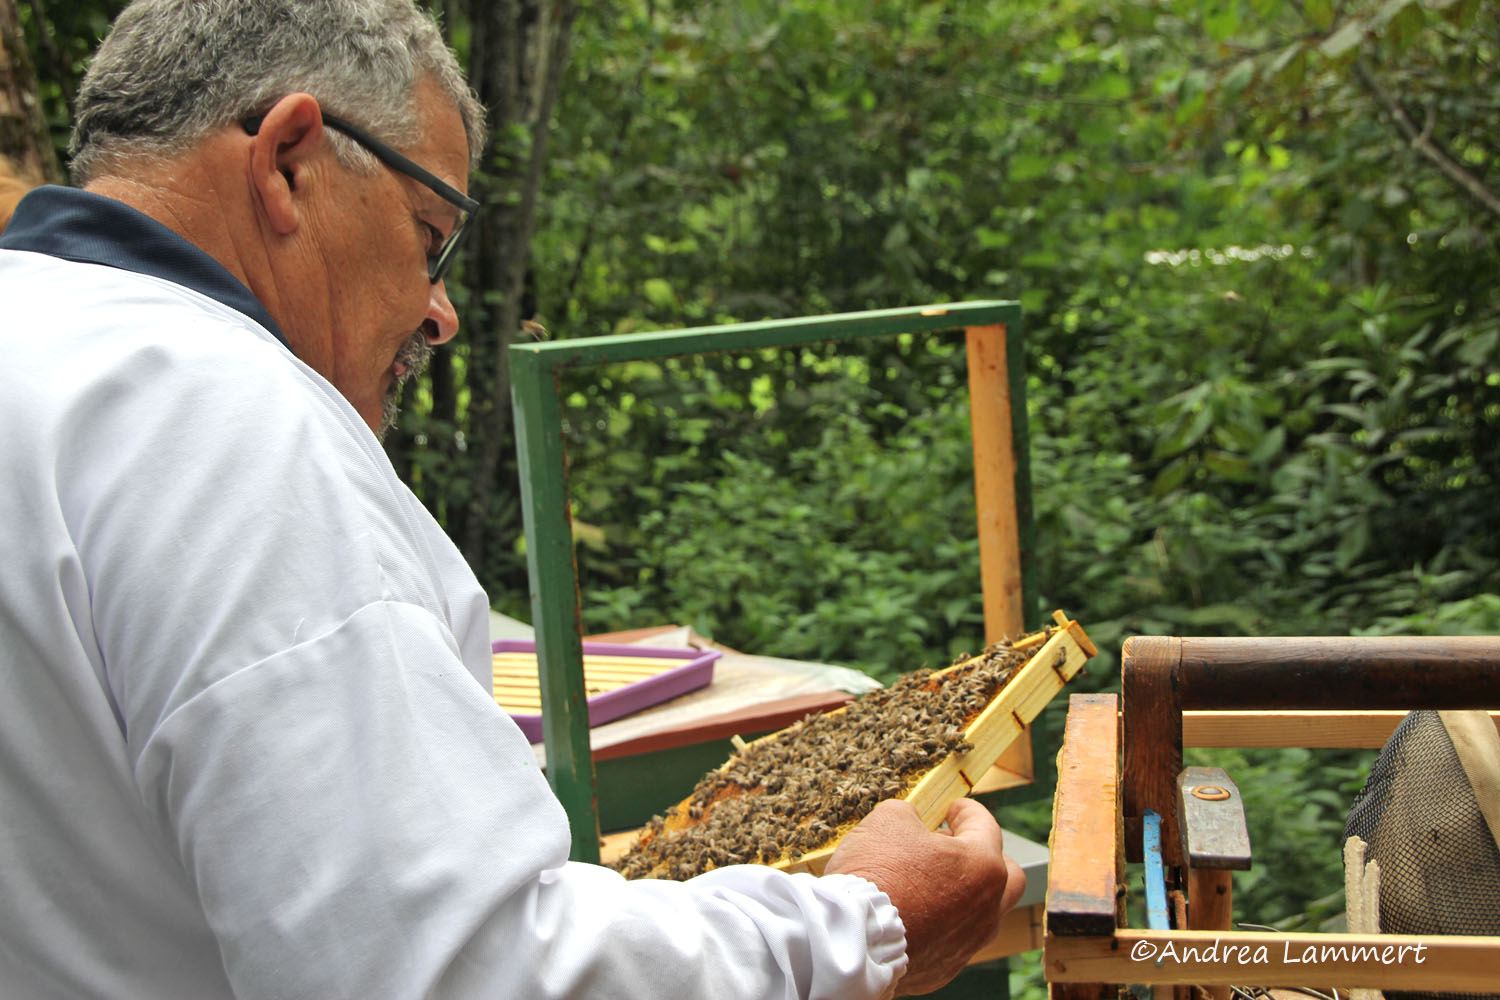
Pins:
<point x="695" y="670"/>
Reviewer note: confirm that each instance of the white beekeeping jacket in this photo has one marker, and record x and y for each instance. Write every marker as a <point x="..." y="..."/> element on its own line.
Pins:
<point x="247" y="742"/>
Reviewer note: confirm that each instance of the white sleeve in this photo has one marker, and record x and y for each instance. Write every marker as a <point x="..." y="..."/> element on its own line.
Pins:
<point x="356" y="815"/>
<point x="358" y="822"/>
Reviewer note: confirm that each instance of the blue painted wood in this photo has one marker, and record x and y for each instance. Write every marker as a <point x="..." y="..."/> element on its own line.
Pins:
<point x="1156" y="875"/>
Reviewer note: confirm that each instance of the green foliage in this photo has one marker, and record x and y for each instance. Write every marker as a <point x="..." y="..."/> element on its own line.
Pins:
<point x="845" y="548"/>
<point x="60" y="37"/>
<point x="1261" y="327"/>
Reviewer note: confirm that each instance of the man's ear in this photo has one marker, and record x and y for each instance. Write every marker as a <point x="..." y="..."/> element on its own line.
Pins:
<point x="290" y="133"/>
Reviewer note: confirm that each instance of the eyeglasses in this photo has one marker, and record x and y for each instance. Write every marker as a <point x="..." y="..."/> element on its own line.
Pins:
<point x="439" y="259"/>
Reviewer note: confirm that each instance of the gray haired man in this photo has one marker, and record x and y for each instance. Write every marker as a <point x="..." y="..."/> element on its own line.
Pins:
<point x="247" y="746"/>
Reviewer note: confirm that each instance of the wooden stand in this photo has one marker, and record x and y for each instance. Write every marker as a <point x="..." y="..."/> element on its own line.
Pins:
<point x="1122" y="758"/>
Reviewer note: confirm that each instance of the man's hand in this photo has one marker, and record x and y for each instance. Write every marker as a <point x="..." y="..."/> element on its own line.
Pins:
<point x="950" y="887"/>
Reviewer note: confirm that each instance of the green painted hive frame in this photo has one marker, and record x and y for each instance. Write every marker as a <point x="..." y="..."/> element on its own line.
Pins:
<point x="1001" y="475"/>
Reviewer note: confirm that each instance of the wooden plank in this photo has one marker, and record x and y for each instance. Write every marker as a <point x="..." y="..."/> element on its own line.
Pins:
<point x="757" y="718"/>
<point x="998" y="778"/>
<point x="1210" y="899"/>
<point x="938" y="789"/>
<point x="1082" y="876"/>
<point x="1244" y="958"/>
<point x="1080" y="991"/>
<point x="1154" y="872"/>
<point x="1364" y="672"/>
<point x="1310" y="728"/>
<point x="992" y="434"/>
<point x="1021" y="701"/>
<point x="994" y="483"/>
<point x="1152" y="716"/>
<point x="1020" y="931"/>
<point x="1214" y="834"/>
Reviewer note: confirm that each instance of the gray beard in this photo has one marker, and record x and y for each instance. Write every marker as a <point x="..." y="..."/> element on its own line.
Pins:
<point x="415" y="355"/>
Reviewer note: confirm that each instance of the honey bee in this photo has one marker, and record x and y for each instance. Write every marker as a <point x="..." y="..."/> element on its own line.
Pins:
<point x="800" y="789"/>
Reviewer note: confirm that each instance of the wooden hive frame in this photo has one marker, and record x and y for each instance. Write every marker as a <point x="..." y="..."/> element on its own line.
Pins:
<point x="1122" y="757"/>
<point x="1057" y="654"/>
<point x="1003" y="721"/>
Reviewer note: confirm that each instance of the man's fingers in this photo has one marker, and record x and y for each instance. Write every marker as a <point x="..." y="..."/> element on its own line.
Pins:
<point x="1015" y="884"/>
<point x="968" y="820"/>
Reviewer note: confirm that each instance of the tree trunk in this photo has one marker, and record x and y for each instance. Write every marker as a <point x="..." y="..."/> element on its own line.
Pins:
<point x="23" y="127"/>
<point x="519" y="50"/>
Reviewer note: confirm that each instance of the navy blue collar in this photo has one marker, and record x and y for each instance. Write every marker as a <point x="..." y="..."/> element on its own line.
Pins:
<point x="79" y="226"/>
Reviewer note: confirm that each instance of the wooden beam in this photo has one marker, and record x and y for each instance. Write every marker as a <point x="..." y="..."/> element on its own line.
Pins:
<point x="1364" y="672"/>
<point x="992" y="432"/>
<point x="1309" y="728"/>
<point x="995" y="482"/>
<point x="1083" y="873"/>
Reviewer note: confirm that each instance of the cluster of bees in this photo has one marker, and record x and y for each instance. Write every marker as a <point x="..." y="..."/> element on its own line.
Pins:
<point x="802" y="788"/>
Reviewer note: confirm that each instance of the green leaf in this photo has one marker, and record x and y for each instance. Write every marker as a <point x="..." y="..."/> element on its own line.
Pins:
<point x="1388" y="11"/>
<point x="992" y="239"/>
<point x="658" y="292"/>
<point x="1109" y="87"/>
<point x="1289" y="65"/>
<point x="1033" y="301"/>
<point x="1352" y="544"/>
<point x="1028" y="166"/>
<point x="1347" y="37"/>
<point x="1223" y="21"/>
<point x="1188" y="433"/>
<point x="1408" y="25"/>
<point x="1320" y="13"/>
<point x="1271" y="445"/>
<point x="1228" y="466"/>
<point x="1463" y="12"/>
<point x="1240" y="77"/>
<point x="1171" y="477"/>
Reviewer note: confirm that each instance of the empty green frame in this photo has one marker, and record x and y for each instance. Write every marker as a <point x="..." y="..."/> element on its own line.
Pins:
<point x="1001" y="474"/>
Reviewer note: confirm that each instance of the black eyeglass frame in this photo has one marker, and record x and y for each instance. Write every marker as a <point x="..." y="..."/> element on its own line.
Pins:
<point x="437" y="265"/>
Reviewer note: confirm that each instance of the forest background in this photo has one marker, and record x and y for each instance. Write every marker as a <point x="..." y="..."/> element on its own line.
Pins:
<point x="1254" y="242"/>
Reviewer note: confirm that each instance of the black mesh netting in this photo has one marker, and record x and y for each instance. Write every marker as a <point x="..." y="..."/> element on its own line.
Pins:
<point x="1439" y="866"/>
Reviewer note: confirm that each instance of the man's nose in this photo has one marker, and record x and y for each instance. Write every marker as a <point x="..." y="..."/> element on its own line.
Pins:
<point x="442" y="318"/>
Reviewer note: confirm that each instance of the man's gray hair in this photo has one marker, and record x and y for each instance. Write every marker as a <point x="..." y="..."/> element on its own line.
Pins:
<point x="170" y="71"/>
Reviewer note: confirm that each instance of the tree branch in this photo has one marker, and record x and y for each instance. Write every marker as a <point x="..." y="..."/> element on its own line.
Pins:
<point x="1421" y="141"/>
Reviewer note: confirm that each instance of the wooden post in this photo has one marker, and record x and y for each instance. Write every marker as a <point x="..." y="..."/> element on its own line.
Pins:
<point x="1152" y="736"/>
<point x="993" y="437"/>
<point x="995" y="482"/>
<point x="1216" y="842"/>
<point x="1211" y="907"/>
<point x="1084" y="872"/>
